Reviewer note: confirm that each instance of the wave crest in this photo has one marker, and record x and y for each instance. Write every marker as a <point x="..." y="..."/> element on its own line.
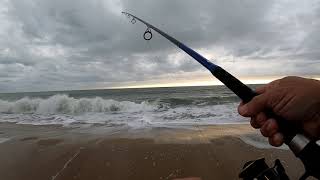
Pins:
<point x="63" y="104"/>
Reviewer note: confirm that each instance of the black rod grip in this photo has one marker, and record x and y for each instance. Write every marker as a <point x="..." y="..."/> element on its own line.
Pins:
<point x="246" y="94"/>
<point x="241" y="90"/>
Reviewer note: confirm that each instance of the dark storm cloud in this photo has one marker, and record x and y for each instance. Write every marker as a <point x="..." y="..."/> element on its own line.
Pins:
<point x="71" y="44"/>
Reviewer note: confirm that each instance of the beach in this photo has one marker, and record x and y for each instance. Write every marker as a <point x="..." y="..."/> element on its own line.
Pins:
<point x="130" y="134"/>
<point x="62" y="153"/>
<point x="153" y="90"/>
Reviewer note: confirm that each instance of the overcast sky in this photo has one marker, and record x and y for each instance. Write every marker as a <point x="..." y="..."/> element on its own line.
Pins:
<point x="85" y="44"/>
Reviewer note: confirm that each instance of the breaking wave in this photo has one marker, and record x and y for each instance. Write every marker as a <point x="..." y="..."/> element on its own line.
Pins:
<point x="167" y="112"/>
<point x="63" y="104"/>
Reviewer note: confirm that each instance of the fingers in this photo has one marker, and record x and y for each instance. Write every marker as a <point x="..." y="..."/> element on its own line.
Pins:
<point x="269" y="128"/>
<point x="276" y="140"/>
<point x="255" y="109"/>
<point x="259" y="120"/>
<point x="258" y="103"/>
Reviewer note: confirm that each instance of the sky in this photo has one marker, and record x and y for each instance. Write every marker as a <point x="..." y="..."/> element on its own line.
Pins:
<point x="88" y="44"/>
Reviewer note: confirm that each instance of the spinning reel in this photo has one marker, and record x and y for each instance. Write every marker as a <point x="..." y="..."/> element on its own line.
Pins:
<point x="259" y="170"/>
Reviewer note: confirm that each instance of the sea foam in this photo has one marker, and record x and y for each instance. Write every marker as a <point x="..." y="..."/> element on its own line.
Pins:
<point x="63" y="104"/>
<point x="65" y="110"/>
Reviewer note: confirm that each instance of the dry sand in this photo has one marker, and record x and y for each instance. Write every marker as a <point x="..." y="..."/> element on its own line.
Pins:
<point x="57" y="153"/>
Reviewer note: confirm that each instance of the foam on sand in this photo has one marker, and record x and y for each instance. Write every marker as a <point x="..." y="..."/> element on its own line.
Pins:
<point x="258" y="141"/>
<point x="2" y="140"/>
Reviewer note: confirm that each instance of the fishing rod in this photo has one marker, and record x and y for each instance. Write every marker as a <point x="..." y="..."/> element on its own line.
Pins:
<point x="308" y="151"/>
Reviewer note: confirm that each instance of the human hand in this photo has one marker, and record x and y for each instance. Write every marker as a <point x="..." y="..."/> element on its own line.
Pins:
<point x="293" y="98"/>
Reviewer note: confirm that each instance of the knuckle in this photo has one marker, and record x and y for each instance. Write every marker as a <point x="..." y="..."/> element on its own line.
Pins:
<point x="254" y="123"/>
<point x="280" y="100"/>
<point x="271" y="141"/>
<point x="263" y="132"/>
<point x="274" y="83"/>
<point x="274" y="98"/>
<point x="257" y="104"/>
<point x="261" y="117"/>
<point x="274" y="142"/>
<point x="289" y="78"/>
<point x="256" y="101"/>
<point x="267" y="129"/>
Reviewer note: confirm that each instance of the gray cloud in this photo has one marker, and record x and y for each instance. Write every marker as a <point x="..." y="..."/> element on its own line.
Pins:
<point x="72" y="44"/>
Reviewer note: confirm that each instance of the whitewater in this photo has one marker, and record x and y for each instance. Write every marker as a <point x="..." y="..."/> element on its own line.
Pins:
<point x="136" y="108"/>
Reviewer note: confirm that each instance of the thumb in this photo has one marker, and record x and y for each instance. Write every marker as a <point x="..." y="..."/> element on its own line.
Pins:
<point x="255" y="106"/>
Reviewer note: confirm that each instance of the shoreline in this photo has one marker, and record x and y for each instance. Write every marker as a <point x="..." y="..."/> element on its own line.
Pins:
<point x="53" y="152"/>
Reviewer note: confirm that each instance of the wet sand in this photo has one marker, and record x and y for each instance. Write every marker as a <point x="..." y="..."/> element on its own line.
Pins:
<point x="58" y="153"/>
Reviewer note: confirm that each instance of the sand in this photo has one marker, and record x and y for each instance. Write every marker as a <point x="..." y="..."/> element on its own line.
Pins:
<point x="59" y="153"/>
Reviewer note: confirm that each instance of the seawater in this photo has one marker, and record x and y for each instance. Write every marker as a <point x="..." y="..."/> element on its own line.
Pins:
<point x="149" y="107"/>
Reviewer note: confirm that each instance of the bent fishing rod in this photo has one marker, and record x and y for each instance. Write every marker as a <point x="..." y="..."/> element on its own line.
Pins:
<point x="308" y="151"/>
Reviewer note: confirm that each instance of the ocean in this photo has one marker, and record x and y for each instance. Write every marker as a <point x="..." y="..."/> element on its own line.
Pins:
<point x="132" y="108"/>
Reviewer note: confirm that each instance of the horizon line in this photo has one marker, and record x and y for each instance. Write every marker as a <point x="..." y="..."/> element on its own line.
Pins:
<point x="151" y="85"/>
<point x="118" y="88"/>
